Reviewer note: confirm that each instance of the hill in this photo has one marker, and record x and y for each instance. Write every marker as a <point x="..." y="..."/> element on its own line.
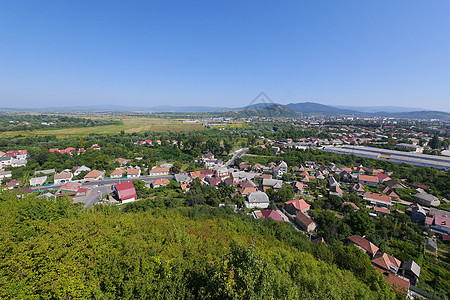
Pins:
<point x="52" y="250"/>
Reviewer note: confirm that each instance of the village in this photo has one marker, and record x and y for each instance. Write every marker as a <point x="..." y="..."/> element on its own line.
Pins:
<point x="259" y="186"/>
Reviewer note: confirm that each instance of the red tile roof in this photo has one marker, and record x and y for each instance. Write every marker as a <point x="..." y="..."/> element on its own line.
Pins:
<point x="377" y="197"/>
<point x="161" y="181"/>
<point x="117" y="172"/>
<point x="133" y="171"/>
<point x="368" y="178"/>
<point x="363" y="243"/>
<point x="160" y="170"/>
<point x="401" y="284"/>
<point x="304" y="219"/>
<point x="125" y="190"/>
<point x="352" y="204"/>
<point x="269" y="213"/>
<point x="299" y="204"/>
<point x="382" y="210"/>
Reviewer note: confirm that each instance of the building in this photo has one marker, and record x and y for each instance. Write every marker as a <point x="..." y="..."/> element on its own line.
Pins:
<point x="117" y="173"/>
<point x="363" y="244"/>
<point x="69" y="188"/>
<point x="257" y="199"/>
<point x="81" y="169"/>
<point x="5" y="174"/>
<point x="410" y="147"/>
<point x="182" y="178"/>
<point x="125" y="191"/>
<point x="336" y="191"/>
<point x="160" y="182"/>
<point x="62" y="177"/>
<point x="418" y="214"/>
<point x="267" y="214"/>
<point x="45" y="172"/>
<point x="295" y="205"/>
<point x="368" y="180"/>
<point x="272" y="183"/>
<point x="133" y="173"/>
<point x="159" y="171"/>
<point x="94" y="175"/>
<point x="378" y="199"/>
<point x="386" y="262"/>
<point x="425" y="199"/>
<point x="305" y="222"/>
<point x="410" y="270"/>
<point x="38" y="181"/>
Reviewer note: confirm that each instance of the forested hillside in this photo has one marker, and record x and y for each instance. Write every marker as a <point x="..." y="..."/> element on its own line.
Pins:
<point x="51" y="249"/>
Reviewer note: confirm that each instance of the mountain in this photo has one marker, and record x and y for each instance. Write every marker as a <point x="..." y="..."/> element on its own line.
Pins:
<point x="314" y="108"/>
<point x="374" y="109"/>
<point x="263" y="110"/>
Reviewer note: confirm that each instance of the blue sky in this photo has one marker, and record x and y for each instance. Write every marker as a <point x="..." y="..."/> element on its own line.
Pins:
<point x="223" y="53"/>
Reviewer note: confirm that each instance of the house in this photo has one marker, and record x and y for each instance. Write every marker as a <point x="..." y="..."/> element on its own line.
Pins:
<point x="257" y="199"/>
<point x="420" y="186"/>
<point x="159" y="171"/>
<point x="295" y="205"/>
<point x="5" y="161"/>
<point x="299" y="187"/>
<point x="378" y="199"/>
<point x="394" y="184"/>
<point x="368" y="180"/>
<point x="94" y="175"/>
<point x="336" y="191"/>
<point x="363" y="244"/>
<point x="305" y="222"/>
<point x="45" y="172"/>
<point x="248" y="190"/>
<point x="333" y="182"/>
<point x="418" y="214"/>
<point x="431" y="245"/>
<point x="5" y="174"/>
<point x="386" y="262"/>
<point x="196" y="174"/>
<point x="12" y="183"/>
<point x="272" y="183"/>
<point x="122" y="161"/>
<point x="38" y="181"/>
<point x="185" y="187"/>
<point x="117" y="173"/>
<point x="391" y="193"/>
<point x="426" y="199"/>
<point x="96" y="147"/>
<point x="267" y="214"/>
<point x="381" y="210"/>
<point x="69" y="188"/>
<point x="125" y="191"/>
<point x="133" y="173"/>
<point x="160" y="182"/>
<point x="399" y="283"/>
<point x="214" y="181"/>
<point x="355" y="207"/>
<point x="18" y="162"/>
<point x="441" y="223"/>
<point x="81" y="169"/>
<point x="182" y="178"/>
<point x="410" y="270"/>
<point x="62" y="177"/>
<point x="382" y="177"/>
<point x="358" y="188"/>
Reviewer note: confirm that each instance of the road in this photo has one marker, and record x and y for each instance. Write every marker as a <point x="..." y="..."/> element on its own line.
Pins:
<point x="236" y="154"/>
<point x="97" y="189"/>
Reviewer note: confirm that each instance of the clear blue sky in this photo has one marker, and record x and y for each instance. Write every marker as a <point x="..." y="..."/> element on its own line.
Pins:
<point x="223" y="53"/>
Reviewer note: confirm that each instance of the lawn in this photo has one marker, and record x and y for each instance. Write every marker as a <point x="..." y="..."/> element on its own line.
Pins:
<point x="130" y="124"/>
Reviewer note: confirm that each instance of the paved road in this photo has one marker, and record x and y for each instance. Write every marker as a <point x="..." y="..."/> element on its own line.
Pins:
<point x="97" y="189"/>
<point x="236" y="154"/>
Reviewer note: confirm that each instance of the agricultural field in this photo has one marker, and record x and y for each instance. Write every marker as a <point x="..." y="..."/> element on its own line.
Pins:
<point x="130" y="124"/>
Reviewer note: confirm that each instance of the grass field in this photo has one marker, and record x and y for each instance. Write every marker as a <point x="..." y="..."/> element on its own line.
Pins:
<point x="130" y="125"/>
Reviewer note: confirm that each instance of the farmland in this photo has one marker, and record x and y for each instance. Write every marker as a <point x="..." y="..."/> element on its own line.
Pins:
<point x="131" y="124"/>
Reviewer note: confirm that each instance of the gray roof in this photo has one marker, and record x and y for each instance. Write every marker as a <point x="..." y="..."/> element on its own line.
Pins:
<point x="333" y="182"/>
<point x="49" y="171"/>
<point x="282" y="164"/>
<point x="272" y="182"/>
<point x="411" y="266"/>
<point x="258" y="197"/>
<point x="182" y="177"/>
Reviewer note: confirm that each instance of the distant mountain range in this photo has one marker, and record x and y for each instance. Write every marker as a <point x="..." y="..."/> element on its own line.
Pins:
<point x="267" y="109"/>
